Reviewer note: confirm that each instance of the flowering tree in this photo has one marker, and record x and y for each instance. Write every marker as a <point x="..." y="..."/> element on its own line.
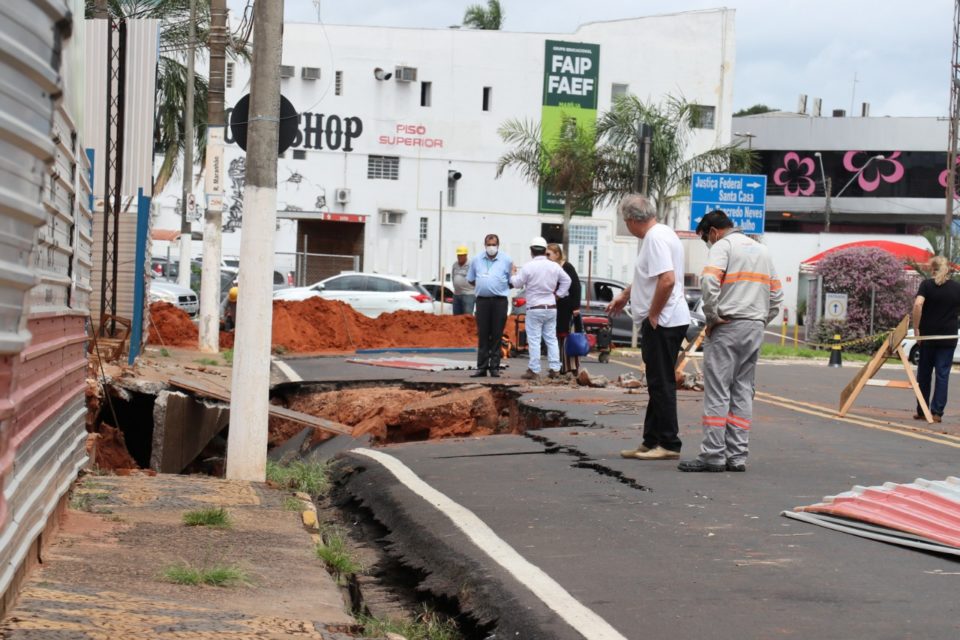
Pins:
<point x="858" y="272"/>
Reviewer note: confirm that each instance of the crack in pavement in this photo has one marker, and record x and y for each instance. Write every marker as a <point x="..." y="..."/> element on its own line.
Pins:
<point x="586" y="462"/>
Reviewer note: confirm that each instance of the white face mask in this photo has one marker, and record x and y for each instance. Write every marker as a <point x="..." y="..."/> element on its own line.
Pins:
<point x="492" y="250"/>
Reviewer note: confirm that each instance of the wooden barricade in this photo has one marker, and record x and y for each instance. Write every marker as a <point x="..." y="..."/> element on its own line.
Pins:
<point x="891" y="347"/>
<point x="690" y="354"/>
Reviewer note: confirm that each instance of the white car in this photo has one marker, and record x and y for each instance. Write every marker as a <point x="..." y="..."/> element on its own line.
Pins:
<point x="912" y="348"/>
<point x="165" y="291"/>
<point x="370" y="294"/>
<point x="433" y="288"/>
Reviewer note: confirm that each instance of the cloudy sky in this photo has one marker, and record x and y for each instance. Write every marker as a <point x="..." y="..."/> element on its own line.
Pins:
<point x="899" y="49"/>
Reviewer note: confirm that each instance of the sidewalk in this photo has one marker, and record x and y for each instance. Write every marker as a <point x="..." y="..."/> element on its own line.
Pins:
<point x="103" y="577"/>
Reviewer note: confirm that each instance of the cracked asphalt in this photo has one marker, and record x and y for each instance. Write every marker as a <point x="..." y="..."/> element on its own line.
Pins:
<point x="657" y="553"/>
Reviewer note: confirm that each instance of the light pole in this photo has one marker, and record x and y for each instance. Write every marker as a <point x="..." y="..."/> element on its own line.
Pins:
<point x="827" y="187"/>
<point x="452" y="176"/>
<point x="749" y="136"/>
<point x="857" y="174"/>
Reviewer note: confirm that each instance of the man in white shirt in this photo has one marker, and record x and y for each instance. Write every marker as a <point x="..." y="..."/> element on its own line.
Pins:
<point x="543" y="281"/>
<point x="660" y="308"/>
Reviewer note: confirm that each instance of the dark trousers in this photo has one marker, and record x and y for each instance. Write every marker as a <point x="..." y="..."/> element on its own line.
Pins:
<point x="660" y="348"/>
<point x="934" y="358"/>
<point x="491" y="314"/>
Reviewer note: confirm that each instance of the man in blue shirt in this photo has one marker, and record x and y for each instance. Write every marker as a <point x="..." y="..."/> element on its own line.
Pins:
<point x="490" y="274"/>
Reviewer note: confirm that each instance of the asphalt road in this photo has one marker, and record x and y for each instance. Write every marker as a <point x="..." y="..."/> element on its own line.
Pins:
<point x="660" y="554"/>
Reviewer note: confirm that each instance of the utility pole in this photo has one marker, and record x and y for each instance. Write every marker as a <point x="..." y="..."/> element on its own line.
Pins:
<point x="954" y="129"/>
<point x="213" y="217"/>
<point x="440" y="242"/>
<point x="827" y="209"/>
<point x="247" y="444"/>
<point x="187" y="193"/>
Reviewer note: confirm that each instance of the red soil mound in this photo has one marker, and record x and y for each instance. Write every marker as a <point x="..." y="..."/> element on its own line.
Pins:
<point x="170" y="326"/>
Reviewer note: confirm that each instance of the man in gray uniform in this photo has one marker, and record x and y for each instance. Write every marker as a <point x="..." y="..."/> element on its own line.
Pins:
<point x="464" y="293"/>
<point x="741" y="294"/>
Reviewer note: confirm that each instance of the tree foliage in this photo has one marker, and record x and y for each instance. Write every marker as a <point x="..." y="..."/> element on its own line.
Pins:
<point x="171" y="85"/>
<point x="754" y="110"/>
<point x="479" y="17"/>
<point x="861" y="272"/>
<point x="571" y="165"/>
<point x="671" y="165"/>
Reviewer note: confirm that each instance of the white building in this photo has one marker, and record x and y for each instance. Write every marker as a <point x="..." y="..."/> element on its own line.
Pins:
<point x="370" y="164"/>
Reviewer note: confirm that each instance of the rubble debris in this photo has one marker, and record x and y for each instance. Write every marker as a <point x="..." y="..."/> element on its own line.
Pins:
<point x="690" y="381"/>
<point x="630" y="381"/>
<point x="111" y="450"/>
<point x="584" y="379"/>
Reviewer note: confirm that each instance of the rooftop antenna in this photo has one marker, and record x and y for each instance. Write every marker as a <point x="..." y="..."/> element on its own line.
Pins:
<point x="853" y="95"/>
<point x="316" y="3"/>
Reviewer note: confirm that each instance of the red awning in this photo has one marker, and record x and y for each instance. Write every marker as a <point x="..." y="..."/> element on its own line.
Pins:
<point x="905" y="252"/>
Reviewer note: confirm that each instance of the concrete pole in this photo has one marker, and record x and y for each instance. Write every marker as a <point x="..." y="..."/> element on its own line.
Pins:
<point x="184" y="276"/>
<point x="210" y="293"/>
<point x="247" y="443"/>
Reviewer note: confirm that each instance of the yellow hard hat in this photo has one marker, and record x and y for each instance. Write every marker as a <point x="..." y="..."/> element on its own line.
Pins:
<point x="462" y="250"/>
<point x="232" y="296"/>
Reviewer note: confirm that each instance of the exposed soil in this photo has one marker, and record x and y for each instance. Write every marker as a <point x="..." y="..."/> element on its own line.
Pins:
<point x="112" y="453"/>
<point x="170" y="326"/>
<point x="403" y="415"/>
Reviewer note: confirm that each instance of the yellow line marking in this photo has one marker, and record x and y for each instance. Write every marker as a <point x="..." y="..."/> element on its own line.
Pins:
<point x="826" y="412"/>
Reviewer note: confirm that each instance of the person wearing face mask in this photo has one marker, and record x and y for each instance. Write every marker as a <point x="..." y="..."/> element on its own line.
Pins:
<point x="489" y="273"/>
<point x="741" y="294"/>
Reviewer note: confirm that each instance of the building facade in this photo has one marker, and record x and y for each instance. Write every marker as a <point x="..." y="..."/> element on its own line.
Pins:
<point x="388" y="117"/>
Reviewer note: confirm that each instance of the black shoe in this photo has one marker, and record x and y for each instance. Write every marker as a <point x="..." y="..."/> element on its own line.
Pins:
<point x="697" y="466"/>
<point x="736" y="468"/>
<point x="494" y="373"/>
<point x="481" y="373"/>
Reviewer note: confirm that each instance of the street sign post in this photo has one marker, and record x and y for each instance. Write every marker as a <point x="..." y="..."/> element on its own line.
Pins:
<point x="742" y="197"/>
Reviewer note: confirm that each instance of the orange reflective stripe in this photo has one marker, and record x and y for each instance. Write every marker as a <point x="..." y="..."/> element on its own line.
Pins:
<point x="736" y="421"/>
<point x="775" y="285"/>
<point x="713" y="271"/>
<point x="714" y="421"/>
<point x="748" y="276"/>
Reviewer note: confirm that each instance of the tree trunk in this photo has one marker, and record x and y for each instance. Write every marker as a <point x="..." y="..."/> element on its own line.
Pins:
<point x="567" y="216"/>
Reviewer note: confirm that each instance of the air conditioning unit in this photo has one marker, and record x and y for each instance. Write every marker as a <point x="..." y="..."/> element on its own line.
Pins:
<point x="310" y="73"/>
<point x="343" y="195"/>
<point x="391" y="217"/>
<point x="405" y="74"/>
<point x="287" y="71"/>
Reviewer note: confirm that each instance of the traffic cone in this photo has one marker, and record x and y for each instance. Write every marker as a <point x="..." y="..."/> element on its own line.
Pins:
<point x="836" y="359"/>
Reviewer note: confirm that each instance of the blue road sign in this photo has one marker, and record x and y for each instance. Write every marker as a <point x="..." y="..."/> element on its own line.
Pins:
<point x="742" y="197"/>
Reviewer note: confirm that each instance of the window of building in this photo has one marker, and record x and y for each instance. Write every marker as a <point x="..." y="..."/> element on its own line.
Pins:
<point x="703" y="116"/>
<point x="338" y="83"/>
<point x="585" y="239"/>
<point x="423" y="231"/>
<point x="229" y="75"/>
<point x="487" y="95"/>
<point x="426" y="88"/>
<point x="299" y="154"/>
<point x="617" y="90"/>
<point x="383" y="168"/>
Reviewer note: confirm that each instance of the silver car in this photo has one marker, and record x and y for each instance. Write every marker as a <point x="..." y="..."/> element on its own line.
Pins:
<point x="166" y="291"/>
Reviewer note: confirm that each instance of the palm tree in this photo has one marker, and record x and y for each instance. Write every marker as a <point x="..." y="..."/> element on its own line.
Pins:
<point x="567" y="166"/>
<point x="169" y="126"/>
<point x="478" y="17"/>
<point x="670" y="165"/>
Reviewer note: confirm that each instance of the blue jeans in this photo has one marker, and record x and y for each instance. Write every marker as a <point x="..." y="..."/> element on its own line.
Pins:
<point x="937" y="359"/>
<point x="542" y="322"/>
<point x="463" y="304"/>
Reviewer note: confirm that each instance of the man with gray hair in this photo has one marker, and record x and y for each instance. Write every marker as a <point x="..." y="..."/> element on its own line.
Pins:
<point x="660" y="308"/>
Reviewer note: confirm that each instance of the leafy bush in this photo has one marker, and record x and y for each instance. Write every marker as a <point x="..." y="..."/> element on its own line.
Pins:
<point x="856" y="272"/>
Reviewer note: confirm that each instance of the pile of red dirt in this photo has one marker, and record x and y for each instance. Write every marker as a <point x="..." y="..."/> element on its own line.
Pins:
<point x="112" y="453"/>
<point x="317" y="324"/>
<point x="170" y="326"/>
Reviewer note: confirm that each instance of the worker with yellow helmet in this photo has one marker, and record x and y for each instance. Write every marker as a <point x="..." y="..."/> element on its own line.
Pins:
<point x="228" y="310"/>
<point x="463" y="292"/>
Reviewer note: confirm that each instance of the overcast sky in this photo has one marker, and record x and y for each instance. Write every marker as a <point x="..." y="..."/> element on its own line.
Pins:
<point x="899" y="49"/>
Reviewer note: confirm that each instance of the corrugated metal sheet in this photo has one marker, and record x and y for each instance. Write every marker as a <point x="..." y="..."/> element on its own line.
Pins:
<point x="126" y="271"/>
<point x="928" y="511"/>
<point x="142" y="51"/>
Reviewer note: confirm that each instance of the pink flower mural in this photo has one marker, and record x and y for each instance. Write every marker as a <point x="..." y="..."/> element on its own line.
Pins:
<point x="889" y="169"/>
<point x="794" y="175"/>
<point x="956" y="186"/>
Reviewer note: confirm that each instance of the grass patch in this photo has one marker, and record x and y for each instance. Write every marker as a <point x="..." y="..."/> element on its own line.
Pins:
<point x="216" y="576"/>
<point x="768" y="350"/>
<point x="164" y="353"/>
<point x="428" y="625"/>
<point x="334" y="552"/>
<point x="227" y="356"/>
<point x="86" y="499"/>
<point x="208" y="361"/>
<point x="309" y="477"/>
<point x="217" y="518"/>
<point x="279" y="349"/>
<point x="292" y="504"/>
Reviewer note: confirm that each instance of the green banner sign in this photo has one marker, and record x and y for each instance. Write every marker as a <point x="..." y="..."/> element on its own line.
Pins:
<point x="570" y="74"/>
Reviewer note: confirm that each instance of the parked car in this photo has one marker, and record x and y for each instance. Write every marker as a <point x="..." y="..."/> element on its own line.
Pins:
<point x="434" y="288"/>
<point x="912" y="348"/>
<point x="162" y="290"/>
<point x="602" y="292"/>
<point x="368" y="293"/>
